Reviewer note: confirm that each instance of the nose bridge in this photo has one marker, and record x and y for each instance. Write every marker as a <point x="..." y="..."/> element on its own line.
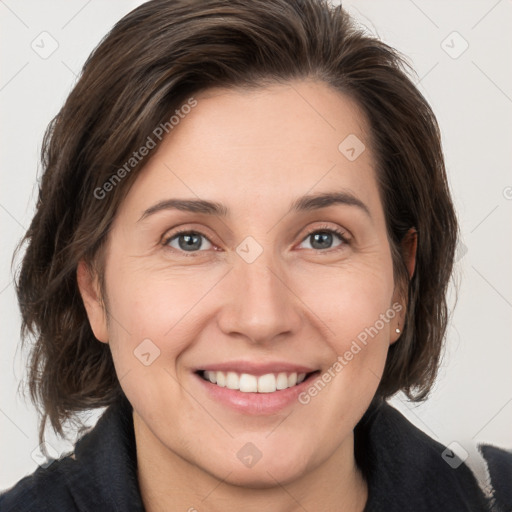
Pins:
<point x="261" y="305"/>
<point x="262" y="286"/>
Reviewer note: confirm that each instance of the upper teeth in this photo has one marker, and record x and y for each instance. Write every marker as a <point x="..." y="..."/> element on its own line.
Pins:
<point x="247" y="383"/>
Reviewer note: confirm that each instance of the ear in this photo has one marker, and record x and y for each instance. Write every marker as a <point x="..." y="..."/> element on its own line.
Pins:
<point x="409" y="245"/>
<point x="88" y="284"/>
<point x="408" y="249"/>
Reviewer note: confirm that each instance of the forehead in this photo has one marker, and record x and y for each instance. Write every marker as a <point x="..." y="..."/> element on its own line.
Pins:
<point x="262" y="144"/>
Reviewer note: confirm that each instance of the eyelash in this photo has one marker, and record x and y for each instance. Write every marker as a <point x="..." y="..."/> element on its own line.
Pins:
<point x="322" y="229"/>
<point x="342" y="235"/>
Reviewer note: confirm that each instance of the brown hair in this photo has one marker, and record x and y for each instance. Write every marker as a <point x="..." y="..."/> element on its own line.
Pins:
<point x="155" y="58"/>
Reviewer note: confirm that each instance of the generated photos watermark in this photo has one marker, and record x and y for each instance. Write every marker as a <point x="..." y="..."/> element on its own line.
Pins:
<point x="137" y="156"/>
<point x="355" y="347"/>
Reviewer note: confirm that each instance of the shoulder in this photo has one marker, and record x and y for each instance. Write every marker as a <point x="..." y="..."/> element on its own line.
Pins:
<point x="100" y="475"/>
<point x="499" y="465"/>
<point x="408" y="470"/>
<point x="44" y="490"/>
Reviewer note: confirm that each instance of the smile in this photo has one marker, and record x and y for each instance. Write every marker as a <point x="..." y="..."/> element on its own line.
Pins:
<point x="255" y="387"/>
<point x="248" y="383"/>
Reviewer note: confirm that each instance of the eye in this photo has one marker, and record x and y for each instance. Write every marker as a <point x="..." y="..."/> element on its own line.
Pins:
<point x="193" y="241"/>
<point x="188" y="241"/>
<point x="322" y="238"/>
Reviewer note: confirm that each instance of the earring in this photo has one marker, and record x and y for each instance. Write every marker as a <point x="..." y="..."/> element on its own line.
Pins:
<point x="397" y="330"/>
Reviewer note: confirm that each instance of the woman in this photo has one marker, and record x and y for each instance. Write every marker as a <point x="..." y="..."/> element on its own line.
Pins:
<point x="242" y="245"/>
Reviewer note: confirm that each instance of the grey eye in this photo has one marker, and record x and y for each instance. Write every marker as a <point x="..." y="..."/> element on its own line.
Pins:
<point x="189" y="241"/>
<point x="322" y="239"/>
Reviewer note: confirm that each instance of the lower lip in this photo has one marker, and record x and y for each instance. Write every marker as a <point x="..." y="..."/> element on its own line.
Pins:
<point x="256" y="403"/>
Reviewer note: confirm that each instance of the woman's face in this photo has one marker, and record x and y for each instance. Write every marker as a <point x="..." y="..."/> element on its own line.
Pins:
<point x="271" y="284"/>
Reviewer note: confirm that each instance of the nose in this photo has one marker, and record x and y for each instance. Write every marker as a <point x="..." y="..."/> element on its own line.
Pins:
<point x="261" y="304"/>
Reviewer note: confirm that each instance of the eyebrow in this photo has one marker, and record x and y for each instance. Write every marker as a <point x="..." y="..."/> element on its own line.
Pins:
<point x="304" y="203"/>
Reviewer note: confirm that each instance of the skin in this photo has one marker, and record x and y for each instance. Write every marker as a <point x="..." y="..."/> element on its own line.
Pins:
<point x="256" y="152"/>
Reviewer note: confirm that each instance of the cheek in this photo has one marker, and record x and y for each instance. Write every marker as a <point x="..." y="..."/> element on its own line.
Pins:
<point x="152" y="323"/>
<point x="164" y="307"/>
<point x="358" y="319"/>
<point x="355" y="311"/>
<point x="350" y="300"/>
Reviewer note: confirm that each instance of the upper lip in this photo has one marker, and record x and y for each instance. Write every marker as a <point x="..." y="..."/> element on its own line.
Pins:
<point x="253" y="368"/>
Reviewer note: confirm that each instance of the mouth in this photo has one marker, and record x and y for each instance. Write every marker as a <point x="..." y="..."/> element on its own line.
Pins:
<point x="256" y="391"/>
<point x="249" y="383"/>
<point x="255" y="388"/>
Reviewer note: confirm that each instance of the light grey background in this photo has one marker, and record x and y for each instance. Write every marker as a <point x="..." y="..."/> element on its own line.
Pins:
<point x="469" y="89"/>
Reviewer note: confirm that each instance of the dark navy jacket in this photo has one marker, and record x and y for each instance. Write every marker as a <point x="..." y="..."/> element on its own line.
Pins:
<point x="404" y="468"/>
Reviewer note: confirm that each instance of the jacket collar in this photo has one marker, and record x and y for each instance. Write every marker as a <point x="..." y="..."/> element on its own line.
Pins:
<point x="106" y="462"/>
<point x="407" y="470"/>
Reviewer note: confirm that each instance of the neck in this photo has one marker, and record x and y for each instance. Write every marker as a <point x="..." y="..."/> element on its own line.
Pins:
<point x="169" y="482"/>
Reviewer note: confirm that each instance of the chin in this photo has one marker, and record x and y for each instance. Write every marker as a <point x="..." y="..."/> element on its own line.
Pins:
<point x="263" y="476"/>
<point x="261" y="473"/>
